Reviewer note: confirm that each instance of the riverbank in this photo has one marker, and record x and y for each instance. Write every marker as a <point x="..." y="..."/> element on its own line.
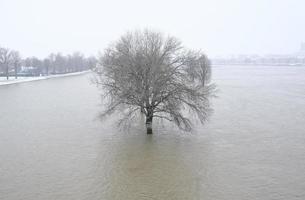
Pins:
<point x="12" y="80"/>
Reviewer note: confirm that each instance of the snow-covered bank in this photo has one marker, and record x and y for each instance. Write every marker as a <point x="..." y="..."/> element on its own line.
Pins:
<point x="12" y="80"/>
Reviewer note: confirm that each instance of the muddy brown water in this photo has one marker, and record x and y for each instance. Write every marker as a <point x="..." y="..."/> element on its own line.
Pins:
<point x="52" y="145"/>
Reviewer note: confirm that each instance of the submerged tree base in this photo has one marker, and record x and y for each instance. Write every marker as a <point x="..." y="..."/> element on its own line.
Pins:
<point x="149" y="131"/>
<point x="149" y="127"/>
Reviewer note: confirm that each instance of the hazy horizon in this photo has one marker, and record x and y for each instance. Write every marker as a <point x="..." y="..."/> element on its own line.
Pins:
<point x="219" y="28"/>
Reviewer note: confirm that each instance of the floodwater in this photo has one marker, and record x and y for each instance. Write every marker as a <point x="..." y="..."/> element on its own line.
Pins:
<point x="53" y="146"/>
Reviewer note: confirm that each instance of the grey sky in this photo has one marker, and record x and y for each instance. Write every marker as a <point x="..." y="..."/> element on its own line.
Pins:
<point x="219" y="27"/>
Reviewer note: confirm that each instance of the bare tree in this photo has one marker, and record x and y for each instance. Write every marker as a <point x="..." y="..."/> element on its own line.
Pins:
<point x="91" y="62"/>
<point x="46" y="64"/>
<point x="5" y="56"/>
<point x="15" y="60"/>
<point x="77" y="61"/>
<point x="52" y="62"/>
<point x="146" y="72"/>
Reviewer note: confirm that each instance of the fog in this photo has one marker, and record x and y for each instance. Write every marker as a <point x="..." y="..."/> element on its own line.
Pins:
<point x="250" y="143"/>
<point x="219" y="27"/>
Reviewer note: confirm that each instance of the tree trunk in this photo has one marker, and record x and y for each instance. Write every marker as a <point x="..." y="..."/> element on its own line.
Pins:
<point x="16" y="71"/>
<point x="7" y="72"/>
<point x="149" y="125"/>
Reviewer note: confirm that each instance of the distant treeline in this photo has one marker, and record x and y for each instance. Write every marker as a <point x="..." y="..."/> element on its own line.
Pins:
<point x="276" y="60"/>
<point x="12" y="64"/>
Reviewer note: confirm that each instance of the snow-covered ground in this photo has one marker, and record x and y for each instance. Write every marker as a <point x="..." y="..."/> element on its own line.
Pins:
<point x="12" y="80"/>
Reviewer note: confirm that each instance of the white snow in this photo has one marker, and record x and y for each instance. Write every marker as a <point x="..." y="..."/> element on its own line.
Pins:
<point x="12" y="80"/>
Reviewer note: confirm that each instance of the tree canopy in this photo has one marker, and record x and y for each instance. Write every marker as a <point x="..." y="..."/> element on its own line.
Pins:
<point x="145" y="72"/>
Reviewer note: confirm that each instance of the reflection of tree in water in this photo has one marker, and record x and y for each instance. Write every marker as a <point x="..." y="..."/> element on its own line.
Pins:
<point x="141" y="167"/>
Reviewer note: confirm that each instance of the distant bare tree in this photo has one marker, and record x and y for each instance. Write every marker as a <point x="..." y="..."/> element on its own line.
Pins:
<point x="5" y="56"/>
<point x="60" y="63"/>
<point x="146" y="72"/>
<point x="52" y="62"/>
<point x="37" y="64"/>
<point x="28" y="62"/>
<point x="46" y="65"/>
<point x="91" y="62"/>
<point x="77" y="61"/>
<point x="15" y="60"/>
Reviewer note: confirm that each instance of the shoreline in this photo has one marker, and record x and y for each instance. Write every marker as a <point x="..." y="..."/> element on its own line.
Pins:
<point x="38" y="78"/>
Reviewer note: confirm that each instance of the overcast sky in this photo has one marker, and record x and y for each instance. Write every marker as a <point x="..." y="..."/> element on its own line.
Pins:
<point x="218" y="27"/>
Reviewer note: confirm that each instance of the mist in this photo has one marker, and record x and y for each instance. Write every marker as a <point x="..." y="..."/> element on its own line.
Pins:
<point x="163" y="99"/>
<point x="219" y="28"/>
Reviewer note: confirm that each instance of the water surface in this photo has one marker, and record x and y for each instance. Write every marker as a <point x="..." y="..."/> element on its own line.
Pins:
<point x="53" y="146"/>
